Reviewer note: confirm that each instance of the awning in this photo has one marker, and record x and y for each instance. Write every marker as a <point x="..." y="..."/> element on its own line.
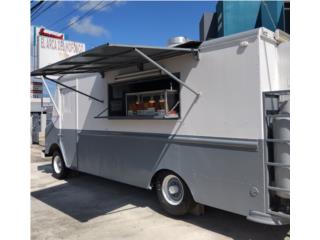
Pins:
<point x="109" y="57"/>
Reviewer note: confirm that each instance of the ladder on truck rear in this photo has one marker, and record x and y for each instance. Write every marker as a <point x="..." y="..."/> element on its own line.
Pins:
<point x="272" y="110"/>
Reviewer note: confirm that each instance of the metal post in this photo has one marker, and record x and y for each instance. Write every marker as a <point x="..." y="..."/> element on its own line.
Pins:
<point x="48" y="90"/>
<point x="42" y="99"/>
<point x="75" y="90"/>
<point x="167" y="72"/>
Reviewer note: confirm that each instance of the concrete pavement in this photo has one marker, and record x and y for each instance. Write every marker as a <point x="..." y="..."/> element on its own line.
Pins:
<point x="88" y="207"/>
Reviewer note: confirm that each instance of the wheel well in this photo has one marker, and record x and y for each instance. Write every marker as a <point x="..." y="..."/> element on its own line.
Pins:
<point x="155" y="176"/>
<point x="54" y="147"/>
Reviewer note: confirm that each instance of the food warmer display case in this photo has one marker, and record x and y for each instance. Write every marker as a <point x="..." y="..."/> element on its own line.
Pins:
<point x="159" y="104"/>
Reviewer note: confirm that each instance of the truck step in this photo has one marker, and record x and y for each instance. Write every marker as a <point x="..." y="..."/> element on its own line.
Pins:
<point x="279" y="214"/>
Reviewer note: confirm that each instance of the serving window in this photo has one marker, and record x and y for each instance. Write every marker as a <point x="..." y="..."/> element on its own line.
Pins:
<point x="149" y="98"/>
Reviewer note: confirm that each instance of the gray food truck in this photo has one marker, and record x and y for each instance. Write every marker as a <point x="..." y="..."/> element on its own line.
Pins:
<point x="202" y="123"/>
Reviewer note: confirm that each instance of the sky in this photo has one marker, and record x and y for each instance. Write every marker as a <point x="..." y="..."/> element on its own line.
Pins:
<point x="123" y="22"/>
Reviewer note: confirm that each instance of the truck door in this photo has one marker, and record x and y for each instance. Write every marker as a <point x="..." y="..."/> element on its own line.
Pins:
<point x="68" y="130"/>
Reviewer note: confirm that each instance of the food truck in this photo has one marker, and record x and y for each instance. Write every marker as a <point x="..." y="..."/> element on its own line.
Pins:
<point x="203" y="123"/>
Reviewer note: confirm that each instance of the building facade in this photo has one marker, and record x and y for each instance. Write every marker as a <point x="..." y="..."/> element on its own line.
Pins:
<point x="233" y="17"/>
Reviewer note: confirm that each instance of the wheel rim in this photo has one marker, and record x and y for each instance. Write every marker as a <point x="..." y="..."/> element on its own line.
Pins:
<point x="172" y="189"/>
<point x="57" y="164"/>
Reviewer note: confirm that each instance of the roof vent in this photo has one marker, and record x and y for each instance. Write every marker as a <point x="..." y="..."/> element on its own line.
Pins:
<point x="175" y="41"/>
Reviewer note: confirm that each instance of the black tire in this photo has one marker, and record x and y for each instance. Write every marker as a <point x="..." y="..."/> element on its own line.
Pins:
<point x="187" y="203"/>
<point x="64" y="170"/>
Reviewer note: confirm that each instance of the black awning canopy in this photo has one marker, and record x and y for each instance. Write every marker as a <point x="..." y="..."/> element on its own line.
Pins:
<point x="108" y="57"/>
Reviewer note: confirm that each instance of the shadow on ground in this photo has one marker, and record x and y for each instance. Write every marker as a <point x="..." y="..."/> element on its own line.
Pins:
<point x="84" y="197"/>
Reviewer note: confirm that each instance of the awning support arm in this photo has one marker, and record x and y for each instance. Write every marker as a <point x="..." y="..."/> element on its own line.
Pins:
<point x="167" y="72"/>
<point x="75" y="90"/>
<point x="51" y="97"/>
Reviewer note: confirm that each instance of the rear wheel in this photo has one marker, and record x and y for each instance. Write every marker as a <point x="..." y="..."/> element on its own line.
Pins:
<point x="59" y="169"/>
<point x="173" y="194"/>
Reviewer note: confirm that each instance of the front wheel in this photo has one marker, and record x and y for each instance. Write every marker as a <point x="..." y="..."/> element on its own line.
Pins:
<point x="173" y="194"/>
<point x="59" y="169"/>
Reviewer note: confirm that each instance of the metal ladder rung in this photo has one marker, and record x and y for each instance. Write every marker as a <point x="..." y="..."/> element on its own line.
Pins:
<point x="278" y="189"/>
<point x="276" y="93"/>
<point x="280" y="214"/>
<point x="272" y="95"/>
<point x="274" y="140"/>
<point x="277" y="164"/>
<point x="278" y="115"/>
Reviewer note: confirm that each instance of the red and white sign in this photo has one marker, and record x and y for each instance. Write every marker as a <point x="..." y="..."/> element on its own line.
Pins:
<point x="50" y="47"/>
<point x="51" y="50"/>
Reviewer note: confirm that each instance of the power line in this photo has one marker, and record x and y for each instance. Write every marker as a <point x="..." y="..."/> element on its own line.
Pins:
<point x="44" y="10"/>
<point x="88" y="13"/>
<point x="68" y="14"/>
<point x="36" y="6"/>
<point x="38" y="9"/>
